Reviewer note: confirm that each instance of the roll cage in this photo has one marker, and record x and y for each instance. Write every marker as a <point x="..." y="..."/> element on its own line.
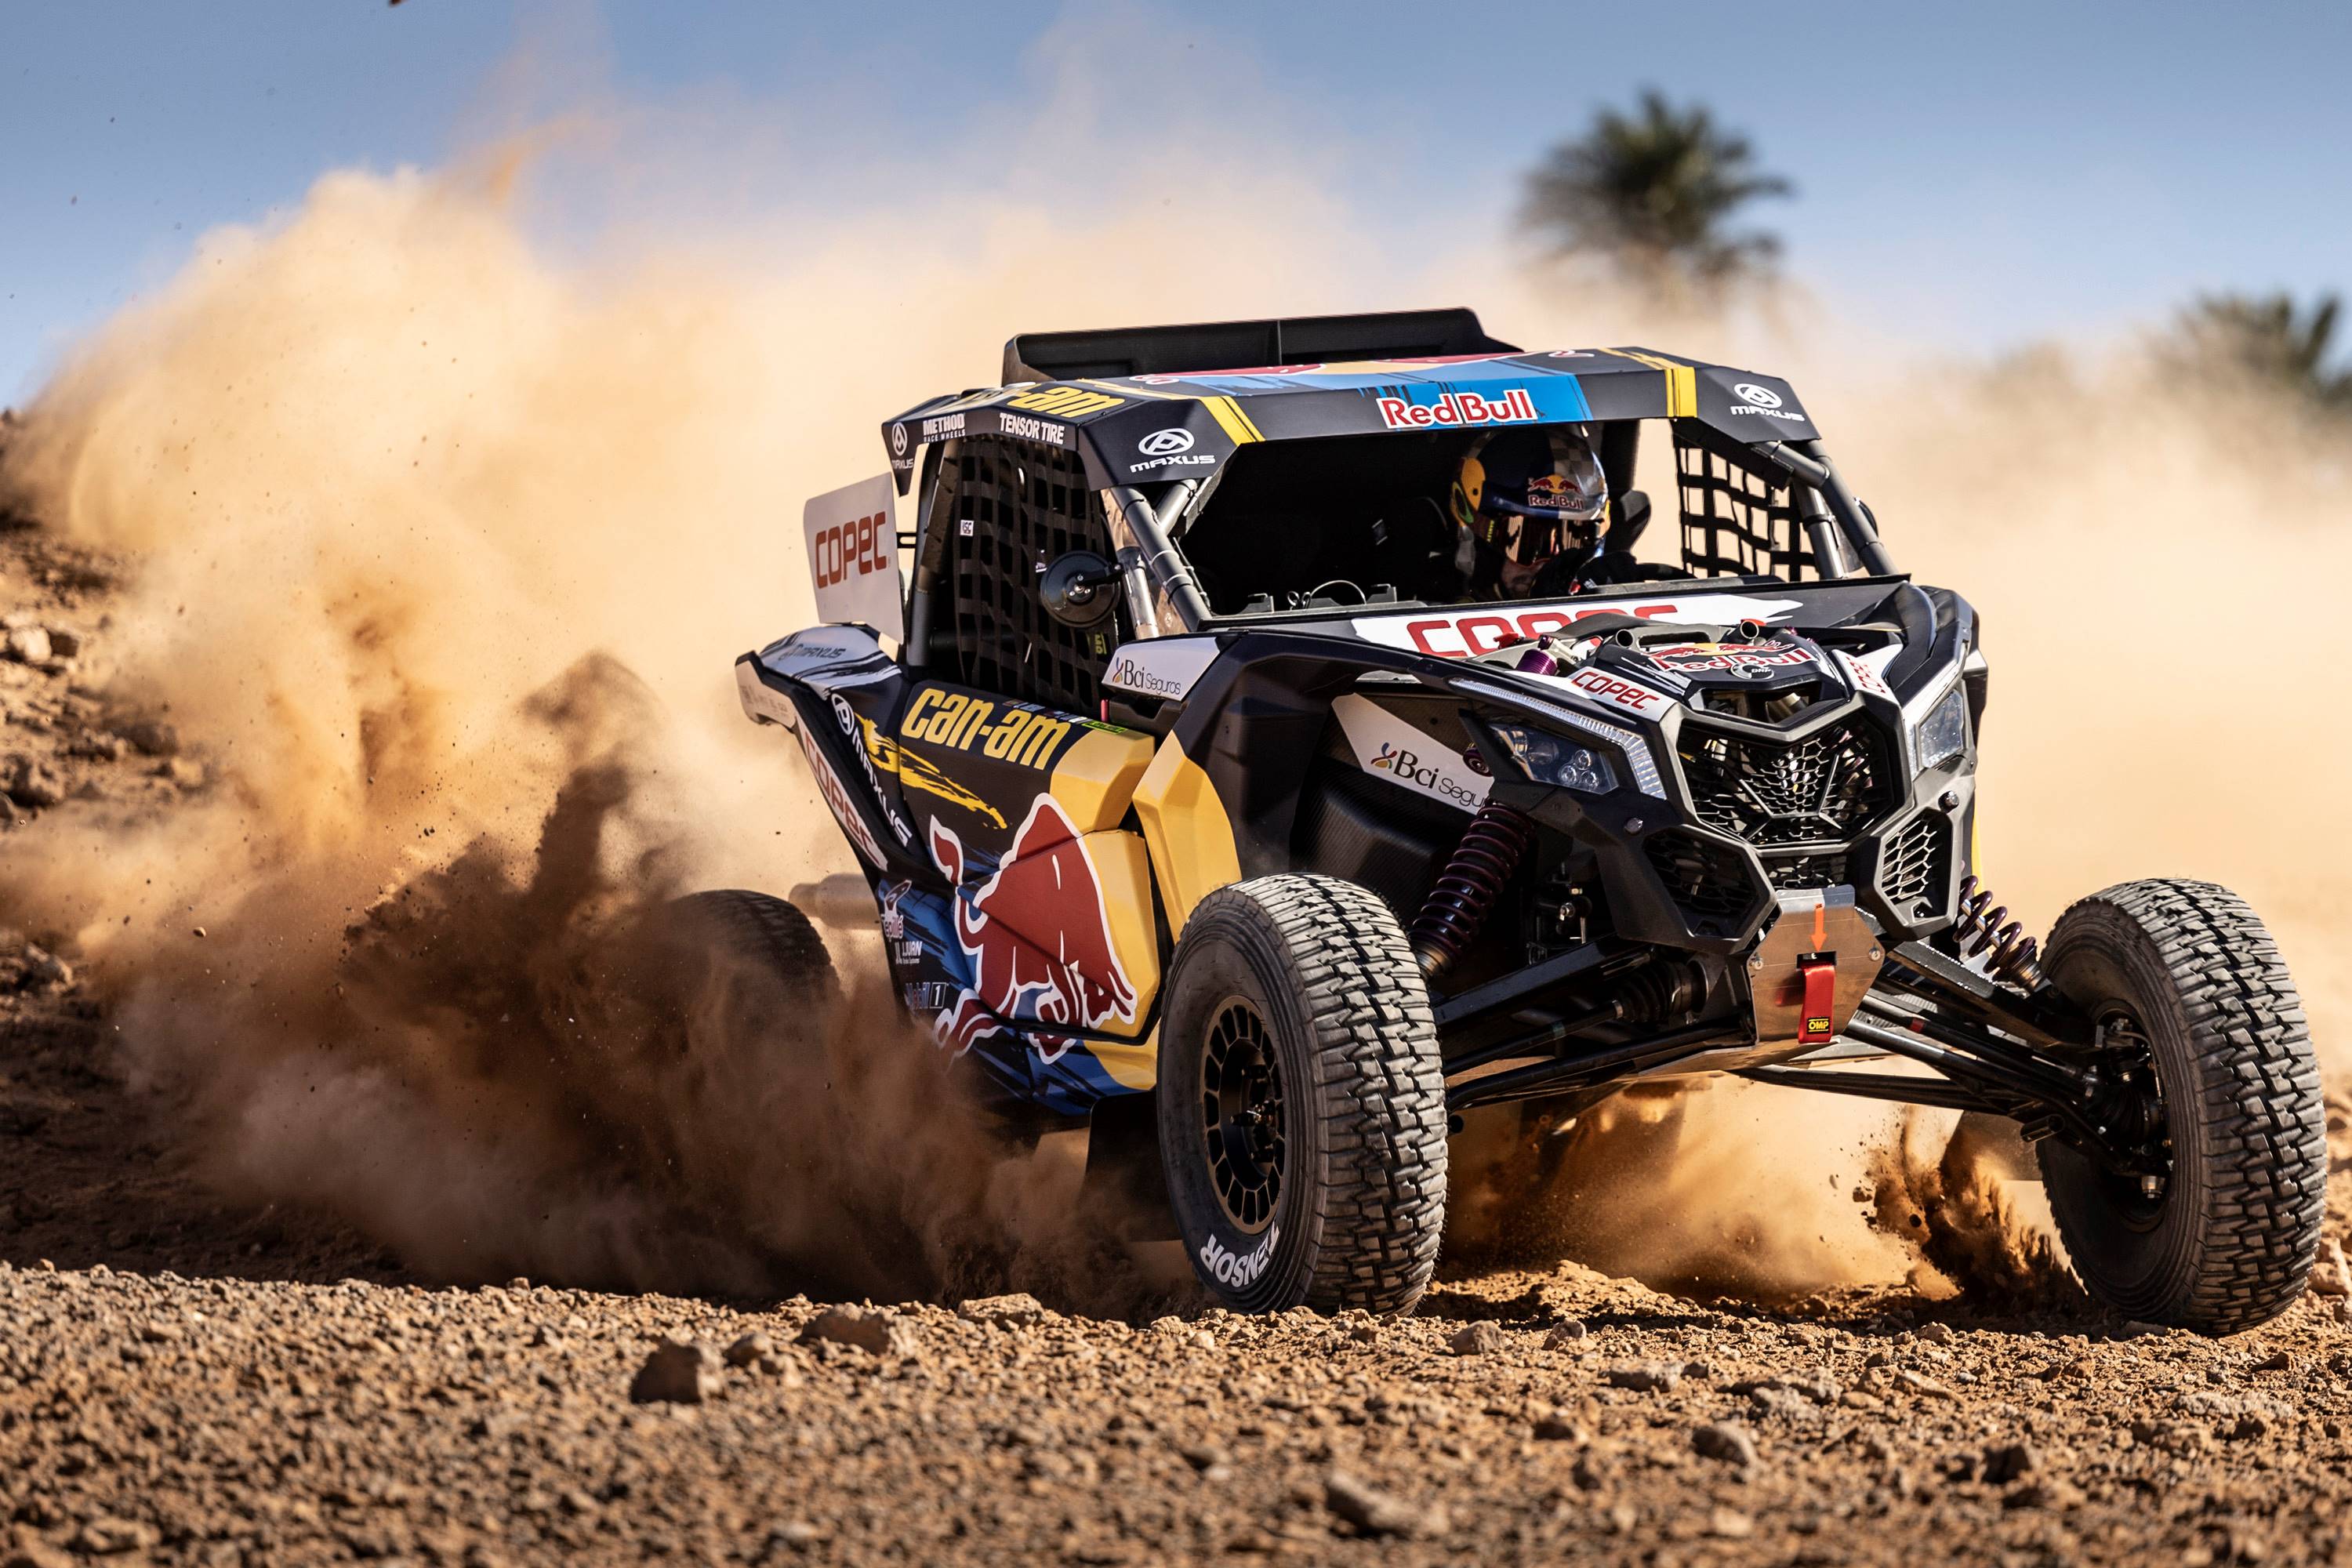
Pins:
<point x="1124" y="439"/>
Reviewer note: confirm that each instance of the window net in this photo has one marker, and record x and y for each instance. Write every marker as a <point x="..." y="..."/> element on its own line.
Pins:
<point x="1011" y="509"/>
<point x="1737" y="519"/>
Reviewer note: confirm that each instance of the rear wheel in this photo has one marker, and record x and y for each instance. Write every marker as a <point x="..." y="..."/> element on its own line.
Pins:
<point x="2193" y="996"/>
<point x="1301" y="1100"/>
<point x="738" y="937"/>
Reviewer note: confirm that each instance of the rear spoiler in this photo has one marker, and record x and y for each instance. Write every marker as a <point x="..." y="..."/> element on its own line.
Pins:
<point x="1246" y="345"/>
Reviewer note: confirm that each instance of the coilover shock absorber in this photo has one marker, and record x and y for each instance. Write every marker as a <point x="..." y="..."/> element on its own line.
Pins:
<point x="1491" y="848"/>
<point x="1981" y="929"/>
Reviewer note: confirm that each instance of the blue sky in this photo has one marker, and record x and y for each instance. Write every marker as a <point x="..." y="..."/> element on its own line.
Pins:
<point x="1971" y="176"/>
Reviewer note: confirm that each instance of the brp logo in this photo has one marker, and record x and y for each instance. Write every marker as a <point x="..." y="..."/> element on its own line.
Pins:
<point x="1761" y="396"/>
<point x="898" y="440"/>
<point x="1162" y="443"/>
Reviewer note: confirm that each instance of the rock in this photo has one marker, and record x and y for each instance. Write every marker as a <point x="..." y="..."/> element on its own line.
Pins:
<point x="107" y="1536"/>
<point x="493" y="1425"/>
<point x="875" y="1332"/>
<point x="2330" y="1276"/>
<point x="2182" y="1437"/>
<point x="1560" y="1426"/>
<point x="752" y="1347"/>
<point x="795" y="1535"/>
<point x="678" y="1372"/>
<point x="182" y="773"/>
<point x="30" y="1551"/>
<point x="1375" y="1512"/>
<point x="2277" y="1360"/>
<point x="1567" y="1336"/>
<point x="1364" y="1333"/>
<point x="1937" y="1333"/>
<point x="1203" y="1456"/>
<point x="34" y="784"/>
<point x="46" y="969"/>
<point x="1729" y="1524"/>
<point x="1645" y="1377"/>
<point x="1018" y="1311"/>
<point x="2011" y="1461"/>
<point x="1725" y="1440"/>
<point x="1819" y="1390"/>
<point x="1920" y="1384"/>
<point x="28" y="645"/>
<point x="2048" y="1492"/>
<point x="1480" y="1339"/>
<point x="152" y="736"/>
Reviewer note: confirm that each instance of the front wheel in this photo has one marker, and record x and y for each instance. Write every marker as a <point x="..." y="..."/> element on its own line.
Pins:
<point x="1301" y="1100"/>
<point x="2194" y="999"/>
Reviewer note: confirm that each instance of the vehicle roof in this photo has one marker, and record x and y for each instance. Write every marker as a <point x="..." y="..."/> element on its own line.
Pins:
<point x="1159" y="424"/>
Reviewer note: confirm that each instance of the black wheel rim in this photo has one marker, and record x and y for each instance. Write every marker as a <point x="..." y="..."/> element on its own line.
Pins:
<point x="1241" y="1112"/>
<point x="2133" y="1103"/>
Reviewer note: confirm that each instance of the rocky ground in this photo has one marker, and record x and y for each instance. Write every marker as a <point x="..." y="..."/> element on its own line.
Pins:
<point x="185" y="1379"/>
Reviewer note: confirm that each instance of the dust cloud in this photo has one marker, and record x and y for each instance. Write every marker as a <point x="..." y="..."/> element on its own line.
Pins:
<point x="444" y="548"/>
<point x="1659" y="1183"/>
<point x="444" y="542"/>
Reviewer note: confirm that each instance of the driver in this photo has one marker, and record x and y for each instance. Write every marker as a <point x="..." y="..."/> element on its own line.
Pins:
<point x="1521" y="499"/>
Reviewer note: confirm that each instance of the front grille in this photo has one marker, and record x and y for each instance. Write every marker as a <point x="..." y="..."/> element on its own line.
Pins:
<point x="1804" y="873"/>
<point x="1820" y="790"/>
<point x="1708" y="880"/>
<point x="1916" y="865"/>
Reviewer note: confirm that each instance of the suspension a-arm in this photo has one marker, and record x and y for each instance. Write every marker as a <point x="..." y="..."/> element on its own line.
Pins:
<point x="1994" y="1048"/>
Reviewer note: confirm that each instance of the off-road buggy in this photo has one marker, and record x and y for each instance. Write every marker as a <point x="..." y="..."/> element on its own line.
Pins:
<point x="1191" y="816"/>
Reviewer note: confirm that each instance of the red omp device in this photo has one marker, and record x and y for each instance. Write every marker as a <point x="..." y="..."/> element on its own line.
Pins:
<point x="1820" y="991"/>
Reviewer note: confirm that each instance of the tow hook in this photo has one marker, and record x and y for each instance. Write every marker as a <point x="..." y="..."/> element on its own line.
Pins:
<point x="1812" y="968"/>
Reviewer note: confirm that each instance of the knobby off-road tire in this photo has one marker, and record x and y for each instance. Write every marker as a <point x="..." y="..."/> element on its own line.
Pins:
<point x="757" y="939"/>
<point x="2230" y="1242"/>
<point x="1301" y="1100"/>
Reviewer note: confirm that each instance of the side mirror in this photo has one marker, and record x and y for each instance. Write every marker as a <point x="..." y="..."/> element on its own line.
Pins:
<point x="1080" y="589"/>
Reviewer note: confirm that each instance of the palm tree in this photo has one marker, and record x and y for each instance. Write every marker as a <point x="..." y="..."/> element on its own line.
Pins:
<point x="2269" y="341"/>
<point x="1651" y="194"/>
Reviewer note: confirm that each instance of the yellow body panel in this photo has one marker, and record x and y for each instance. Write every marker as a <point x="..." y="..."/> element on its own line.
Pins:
<point x="1191" y="836"/>
<point x="1096" y="778"/>
<point x="1123" y="864"/>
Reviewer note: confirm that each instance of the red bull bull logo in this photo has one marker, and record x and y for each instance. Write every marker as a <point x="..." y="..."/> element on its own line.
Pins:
<point x="1045" y="888"/>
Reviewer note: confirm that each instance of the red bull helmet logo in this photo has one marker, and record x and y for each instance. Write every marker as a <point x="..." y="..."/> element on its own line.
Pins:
<point x="1038" y="937"/>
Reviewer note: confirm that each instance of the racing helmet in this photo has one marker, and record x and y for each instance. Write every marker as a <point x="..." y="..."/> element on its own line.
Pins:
<point x="1527" y="495"/>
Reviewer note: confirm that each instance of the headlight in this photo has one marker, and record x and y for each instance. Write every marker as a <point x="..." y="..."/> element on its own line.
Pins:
<point x="1552" y="759"/>
<point x="1943" y="734"/>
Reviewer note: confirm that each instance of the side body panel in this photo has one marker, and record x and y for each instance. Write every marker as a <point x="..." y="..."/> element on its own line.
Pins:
<point x="992" y="833"/>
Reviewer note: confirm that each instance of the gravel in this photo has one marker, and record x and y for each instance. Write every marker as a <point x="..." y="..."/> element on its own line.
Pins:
<point x="187" y="1377"/>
